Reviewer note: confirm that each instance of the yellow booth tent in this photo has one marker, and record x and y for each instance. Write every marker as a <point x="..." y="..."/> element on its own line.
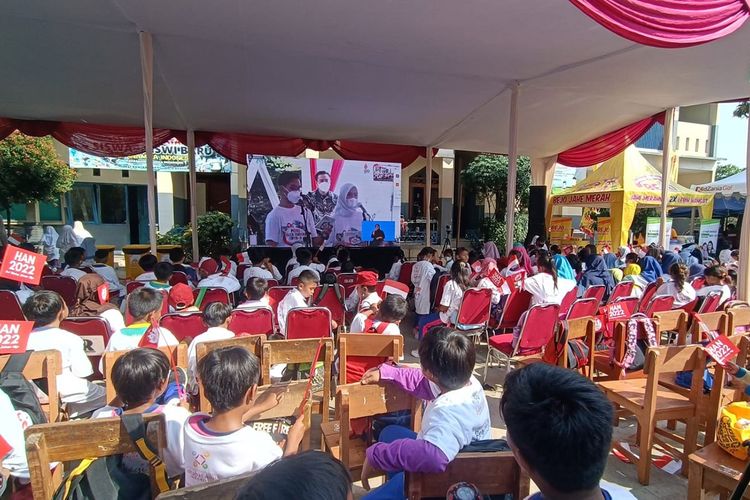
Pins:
<point x="624" y="183"/>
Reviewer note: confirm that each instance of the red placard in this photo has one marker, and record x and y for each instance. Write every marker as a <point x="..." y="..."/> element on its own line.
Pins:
<point x="14" y="335"/>
<point x="102" y="291"/>
<point x="21" y="265"/>
<point x="722" y="350"/>
<point x="5" y="448"/>
<point x="617" y="311"/>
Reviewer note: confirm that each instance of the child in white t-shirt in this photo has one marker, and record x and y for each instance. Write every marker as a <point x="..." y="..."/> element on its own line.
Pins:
<point x="450" y="301"/>
<point x="456" y="413"/>
<point x="364" y="297"/>
<point x="220" y="445"/>
<point x="678" y="287"/>
<point x="107" y="272"/>
<point x="297" y="297"/>
<point x="73" y="260"/>
<point x="144" y="306"/>
<point x="139" y="378"/>
<point x="216" y="317"/>
<point x="256" y="293"/>
<point x="47" y="310"/>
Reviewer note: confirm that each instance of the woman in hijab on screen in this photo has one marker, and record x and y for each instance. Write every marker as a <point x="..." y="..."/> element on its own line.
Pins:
<point x="348" y="217"/>
<point x="68" y="240"/>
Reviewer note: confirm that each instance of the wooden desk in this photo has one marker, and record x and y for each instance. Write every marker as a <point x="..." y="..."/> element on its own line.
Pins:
<point x="713" y="469"/>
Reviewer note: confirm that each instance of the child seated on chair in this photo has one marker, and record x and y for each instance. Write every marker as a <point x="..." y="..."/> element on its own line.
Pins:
<point x="107" y="272"/>
<point x="144" y="306"/>
<point x="366" y="290"/>
<point x="140" y="377"/>
<point x="217" y="274"/>
<point x="256" y="293"/>
<point x="450" y="301"/>
<point x="392" y="310"/>
<point x="147" y="262"/>
<point x="317" y="476"/>
<point x="298" y="297"/>
<point x="560" y="432"/>
<point x="216" y="317"/>
<point x="162" y="273"/>
<point x="181" y="299"/>
<point x="47" y="310"/>
<point x="73" y="261"/>
<point x="456" y="413"/>
<point x="220" y="445"/>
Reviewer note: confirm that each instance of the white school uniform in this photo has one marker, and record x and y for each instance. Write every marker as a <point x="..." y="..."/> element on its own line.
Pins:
<point x="395" y="271"/>
<point x="114" y="319"/>
<point x="213" y="333"/>
<point x="78" y="393"/>
<point x="261" y="272"/>
<point x="12" y="425"/>
<point x="175" y="417"/>
<point x="456" y="418"/>
<point x="452" y="295"/>
<point x="292" y="299"/>
<point x="352" y="302"/>
<point x="421" y="276"/>
<point x="210" y="456"/>
<point x="228" y="283"/>
<point x="294" y="273"/>
<point x="109" y="275"/>
<point x="726" y="293"/>
<point x="542" y="288"/>
<point x="146" y="277"/>
<point x="122" y="340"/>
<point x="681" y="297"/>
<point x="249" y="305"/>
<point x="358" y="326"/>
<point x="496" y="294"/>
<point x="74" y="273"/>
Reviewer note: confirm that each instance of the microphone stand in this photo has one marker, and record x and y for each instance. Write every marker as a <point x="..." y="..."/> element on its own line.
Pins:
<point x="308" y="237"/>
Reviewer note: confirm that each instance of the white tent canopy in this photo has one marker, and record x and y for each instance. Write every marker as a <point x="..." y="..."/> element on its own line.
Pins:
<point x="734" y="184"/>
<point x="418" y="72"/>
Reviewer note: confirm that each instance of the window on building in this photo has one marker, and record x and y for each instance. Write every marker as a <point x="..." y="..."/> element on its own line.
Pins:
<point x="49" y="212"/>
<point x="687" y="143"/>
<point x="17" y="211"/>
<point x="112" y="202"/>
<point x="697" y="145"/>
<point x="677" y="144"/>
<point x="706" y="147"/>
<point x="125" y="173"/>
<point x="97" y="172"/>
<point x="83" y="203"/>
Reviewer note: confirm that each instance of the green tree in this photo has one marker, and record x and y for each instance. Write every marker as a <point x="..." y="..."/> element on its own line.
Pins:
<point x="742" y="110"/>
<point x="487" y="177"/>
<point x="30" y="171"/>
<point x="727" y="170"/>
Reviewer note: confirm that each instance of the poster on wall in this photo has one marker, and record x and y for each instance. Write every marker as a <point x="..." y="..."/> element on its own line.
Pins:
<point x="604" y="234"/>
<point x="316" y="202"/>
<point x="652" y="229"/>
<point x="561" y="228"/>
<point x="172" y="156"/>
<point x="709" y="234"/>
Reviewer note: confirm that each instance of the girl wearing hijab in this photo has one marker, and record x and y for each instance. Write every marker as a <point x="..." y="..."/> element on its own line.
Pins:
<point x="348" y="217"/>
<point x="596" y="273"/>
<point x="667" y="261"/>
<point x="622" y="252"/>
<point x="80" y="231"/>
<point x="68" y="240"/>
<point x="490" y="250"/>
<point x="575" y="263"/>
<point x="564" y="270"/>
<point x="87" y="303"/>
<point x="610" y="260"/>
<point x="49" y="245"/>
<point x="650" y="269"/>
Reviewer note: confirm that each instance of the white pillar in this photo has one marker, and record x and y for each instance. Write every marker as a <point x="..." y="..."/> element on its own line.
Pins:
<point x="193" y="186"/>
<point x="427" y="196"/>
<point x="512" y="167"/>
<point x="665" y="177"/>
<point x="743" y="288"/>
<point x="147" y="72"/>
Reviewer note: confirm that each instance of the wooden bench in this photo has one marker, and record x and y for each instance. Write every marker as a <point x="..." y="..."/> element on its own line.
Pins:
<point x="43" y="365"/>
<point x="713" y="469"/>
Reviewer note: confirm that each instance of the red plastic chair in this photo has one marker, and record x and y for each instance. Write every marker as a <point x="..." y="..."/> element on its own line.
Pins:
<point x="241" y="268"/>
<point x="252" y="321"/>
<point x="442" y="280"/>
<point x="711" y="302"/>
<point x="132" y="286"/>
<point x="295" y="281"/>
<point x="331" y="302"/>
<point x="648" y="294"/>
<point x="10" y="307"/>
<point x="275" y="295"/>
<point x="184" y="324"/>
<point x="95" y="333"/>
<point x="622" y="289"/>
<point x="404" y="275"/>
<point x="567" y="301"/>
<point x="660" y="303"/>
<point x="308" y="323"/>
<point x="698" y="282"/>
<point x="348" y="281"/>
<point x="64" y="285"/>
<point x="272" y="283"/>
<point x="583" y="308"/>
<point x="595" y="292"/>
<point x="178" y="277"/>
<point x="212" y="295"/>
<point x="537" y="330"/>
<point x="474" y="311"/>
<point x="515" y="305"/>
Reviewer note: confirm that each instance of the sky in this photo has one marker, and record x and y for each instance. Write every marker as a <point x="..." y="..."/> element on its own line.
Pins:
<point x="732" y="137"/>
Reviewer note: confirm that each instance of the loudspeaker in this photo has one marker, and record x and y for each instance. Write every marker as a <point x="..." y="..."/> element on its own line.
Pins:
<point x="537" y="212"/>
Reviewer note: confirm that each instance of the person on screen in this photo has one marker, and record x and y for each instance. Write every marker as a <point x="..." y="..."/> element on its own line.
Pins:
<point x="285" y="224"/>
<point x="323" y="201"/>
<point x="377" y="235"/>
<point x="347" y="226"/>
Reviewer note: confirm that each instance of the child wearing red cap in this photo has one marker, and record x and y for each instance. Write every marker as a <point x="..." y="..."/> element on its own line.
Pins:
<point x="365" y="296"/>
<point x="181" y="299"/>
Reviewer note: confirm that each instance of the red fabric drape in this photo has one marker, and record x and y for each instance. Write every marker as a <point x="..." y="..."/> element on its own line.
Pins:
<point x="668" y="23"/>
<point x="313" y="171"/>
<point x="107" y="140"/>
<point x="607" y="146"/>
<point x="336" y="168"/>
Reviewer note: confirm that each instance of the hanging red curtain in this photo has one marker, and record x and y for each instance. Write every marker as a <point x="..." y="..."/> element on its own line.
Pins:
<point x="336" y="168"/>
<point x="370" y="151"/>
<point x="607" y="146"/>
<point x="313" y="171"/>
<point x="668" y="23"/>
<point x="236" y="147"/>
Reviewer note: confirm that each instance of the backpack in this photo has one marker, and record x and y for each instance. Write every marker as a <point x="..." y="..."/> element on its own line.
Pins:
<point x="371" y="327"/>
<point x="105" y="477"/>
<point x="21" y="392"/>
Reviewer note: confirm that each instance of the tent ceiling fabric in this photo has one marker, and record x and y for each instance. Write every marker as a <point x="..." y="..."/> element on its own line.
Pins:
<point x="418" y="72"/>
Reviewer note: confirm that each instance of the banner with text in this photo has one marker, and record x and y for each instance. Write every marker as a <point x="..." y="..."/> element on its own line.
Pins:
<point x="709" y="234"/>
<point x="560" y="228"/>
<point x="604" y="234"/>
<point x="652" y="229"/>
